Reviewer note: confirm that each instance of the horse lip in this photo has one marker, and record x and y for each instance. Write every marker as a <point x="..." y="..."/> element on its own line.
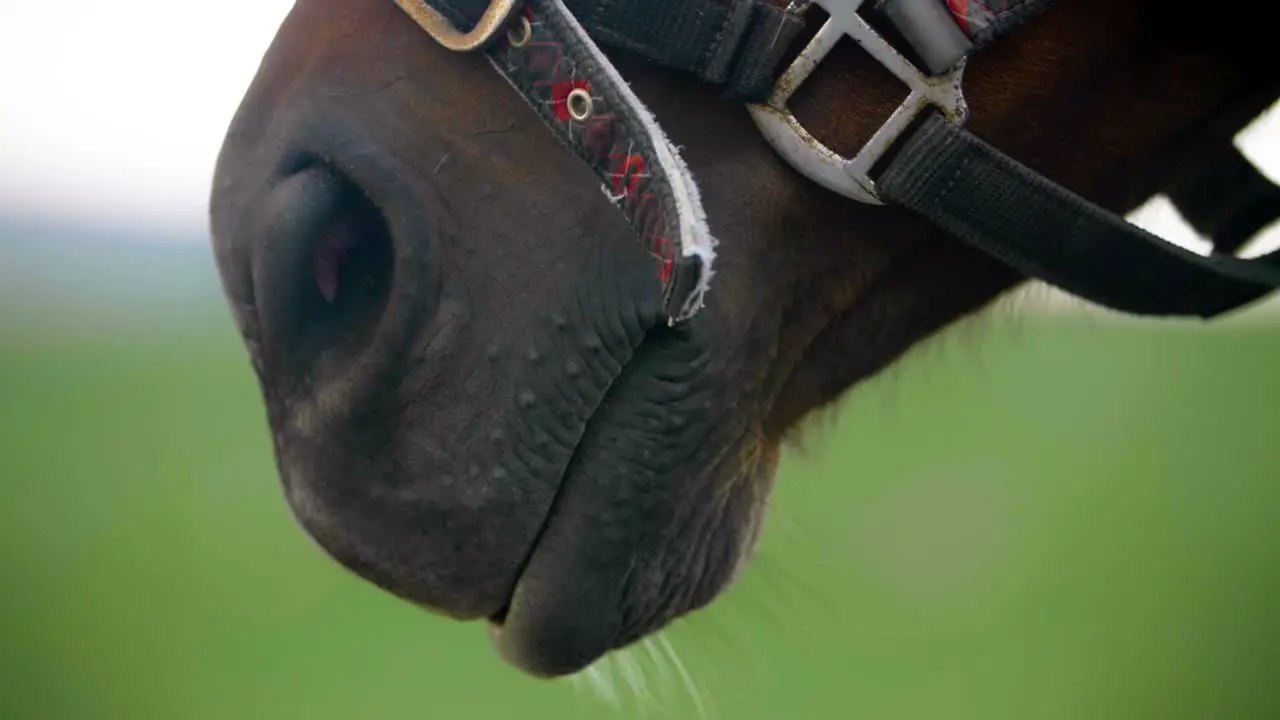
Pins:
<point x="571" y="602"/>
<point x="524" y="655"/>
<point x="512" y="650"/>
<point x="498" y="619"/>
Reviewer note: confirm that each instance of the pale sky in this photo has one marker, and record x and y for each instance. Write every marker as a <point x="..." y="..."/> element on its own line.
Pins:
<point x="114" y="111"/>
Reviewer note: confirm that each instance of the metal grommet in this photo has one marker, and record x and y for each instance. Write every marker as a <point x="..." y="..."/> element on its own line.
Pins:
<point x="579" y="104"/>
<point x="520" y="33"/>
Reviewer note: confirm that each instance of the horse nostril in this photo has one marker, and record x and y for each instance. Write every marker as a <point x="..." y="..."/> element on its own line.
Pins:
<point x="324" y="275"/>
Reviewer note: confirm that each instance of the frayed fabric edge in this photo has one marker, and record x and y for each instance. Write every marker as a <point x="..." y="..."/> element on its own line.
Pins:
<point x="696" y="239"/>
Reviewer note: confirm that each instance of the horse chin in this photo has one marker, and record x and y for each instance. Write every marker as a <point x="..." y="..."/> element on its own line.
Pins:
<point x="652" y="518"/>
<point x="635" y="536"/>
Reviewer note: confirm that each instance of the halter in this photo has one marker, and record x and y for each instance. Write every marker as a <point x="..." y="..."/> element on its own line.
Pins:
<point x="938" y="169"/>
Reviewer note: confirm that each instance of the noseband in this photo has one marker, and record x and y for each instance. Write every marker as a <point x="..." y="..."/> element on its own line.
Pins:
<point x="921" y="158"/>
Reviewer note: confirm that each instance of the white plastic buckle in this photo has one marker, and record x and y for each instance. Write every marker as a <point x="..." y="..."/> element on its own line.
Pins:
<point x="849" y="176"/>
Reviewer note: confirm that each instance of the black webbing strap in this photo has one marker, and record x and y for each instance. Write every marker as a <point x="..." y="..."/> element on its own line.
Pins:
<point x="737" y="45"/>
<point x="1227" y="200"/>
<point x="986" y="198"/>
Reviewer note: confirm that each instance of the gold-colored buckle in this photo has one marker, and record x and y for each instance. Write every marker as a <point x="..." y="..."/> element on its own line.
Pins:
<point x="493" y="21"/>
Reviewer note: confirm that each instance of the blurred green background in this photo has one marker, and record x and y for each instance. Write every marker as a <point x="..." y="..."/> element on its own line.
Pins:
<point x="1036" y="516"/>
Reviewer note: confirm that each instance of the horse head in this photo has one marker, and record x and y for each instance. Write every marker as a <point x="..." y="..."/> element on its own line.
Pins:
<point x="477" y="399"/>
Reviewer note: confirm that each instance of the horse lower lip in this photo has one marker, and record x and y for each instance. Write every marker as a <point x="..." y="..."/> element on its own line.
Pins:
<point x="499" y="618"/>
<point x="570" y="605"/>
<point x="546" y="630"/>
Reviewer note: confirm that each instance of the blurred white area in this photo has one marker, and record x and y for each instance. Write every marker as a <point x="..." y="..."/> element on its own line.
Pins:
<point x="1260" y="143"/>
<point x="113" y="111"/>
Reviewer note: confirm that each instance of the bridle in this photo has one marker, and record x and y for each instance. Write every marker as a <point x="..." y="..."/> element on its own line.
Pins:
<point x="547" y="50"/>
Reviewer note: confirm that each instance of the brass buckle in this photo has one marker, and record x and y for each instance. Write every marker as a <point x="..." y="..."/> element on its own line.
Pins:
<point x="493" y="21"/>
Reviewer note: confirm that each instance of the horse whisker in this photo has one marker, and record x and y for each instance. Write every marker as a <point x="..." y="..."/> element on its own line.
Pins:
<point x="689" y="685"/>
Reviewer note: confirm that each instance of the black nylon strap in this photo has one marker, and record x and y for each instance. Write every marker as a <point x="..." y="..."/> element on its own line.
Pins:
<point x="1228" y="200"/>
<point x="737" y="45"/>
<point x="987" y="199"/>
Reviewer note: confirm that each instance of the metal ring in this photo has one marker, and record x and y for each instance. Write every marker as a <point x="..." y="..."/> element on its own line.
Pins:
<point x="579" y="104"/>
<point x="495" y="18"/>
<point x="520" y="33"/>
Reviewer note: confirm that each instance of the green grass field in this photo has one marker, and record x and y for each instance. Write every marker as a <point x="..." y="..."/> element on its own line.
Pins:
<point x="1041" y="519"/>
